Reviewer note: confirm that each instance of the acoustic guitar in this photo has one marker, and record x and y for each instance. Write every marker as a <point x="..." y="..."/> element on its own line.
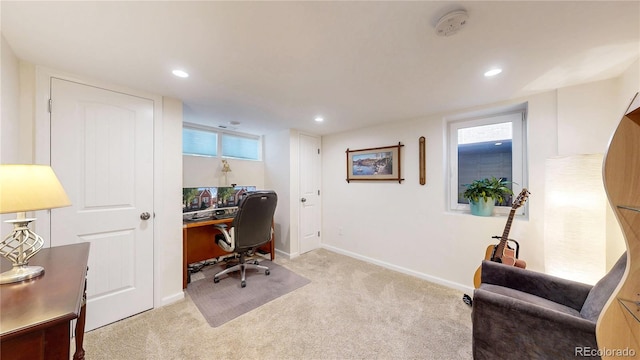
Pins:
<point x="502" y="252"/>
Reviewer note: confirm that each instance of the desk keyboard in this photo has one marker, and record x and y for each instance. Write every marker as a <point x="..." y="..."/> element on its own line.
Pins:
<point x="224" y="216"/>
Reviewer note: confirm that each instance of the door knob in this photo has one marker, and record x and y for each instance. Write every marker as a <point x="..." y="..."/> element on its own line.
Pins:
<point x="303" y="200"/>
<point x="145" y="216"/>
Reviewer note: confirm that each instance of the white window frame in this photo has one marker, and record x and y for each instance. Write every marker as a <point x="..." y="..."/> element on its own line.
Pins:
<point x="220" y="134"/>
<point x="517" y="114"/>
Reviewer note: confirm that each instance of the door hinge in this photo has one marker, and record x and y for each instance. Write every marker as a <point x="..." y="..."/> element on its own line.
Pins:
<point x="318" y="192"/>
<point x="50" y="104"/>
<point x="318" y="151"/>
<point x="318" y="233"/>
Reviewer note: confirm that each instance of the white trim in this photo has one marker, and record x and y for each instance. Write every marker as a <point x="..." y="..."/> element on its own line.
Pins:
<point x="286" y="255"/>
<point x="219" y="135"/>
<point x="168" y="300"/>
<point x="517" y="114"/>
<point x="423" y="276"/>
<point x="42" y="153"/>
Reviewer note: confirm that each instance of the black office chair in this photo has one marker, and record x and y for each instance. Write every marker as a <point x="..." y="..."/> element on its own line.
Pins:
<point x="251" y="228"/>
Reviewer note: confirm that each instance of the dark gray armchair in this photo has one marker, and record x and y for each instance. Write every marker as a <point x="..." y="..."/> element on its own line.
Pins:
<point x="251" y="228"/>
<point x="523" y="314"/>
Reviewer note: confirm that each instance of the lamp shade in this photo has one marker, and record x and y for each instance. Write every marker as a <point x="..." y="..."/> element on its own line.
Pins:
<point x="575" y="218"/>
<point x="30" y="187"/>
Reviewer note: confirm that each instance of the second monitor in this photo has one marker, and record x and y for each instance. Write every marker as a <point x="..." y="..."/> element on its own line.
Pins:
<point x="200" y="203"/>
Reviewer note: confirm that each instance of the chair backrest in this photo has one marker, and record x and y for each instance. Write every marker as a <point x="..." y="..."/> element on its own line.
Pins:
<point x="602" y="290"/>
<point x="252" y="223"/>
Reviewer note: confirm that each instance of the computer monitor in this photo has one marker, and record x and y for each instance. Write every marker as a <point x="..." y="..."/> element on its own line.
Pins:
<point x="230" y="196"/>
<point x="200" y="202"/>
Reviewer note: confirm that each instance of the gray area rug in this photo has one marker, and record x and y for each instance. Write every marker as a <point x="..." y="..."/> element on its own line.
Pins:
<point x="226" y="300"/>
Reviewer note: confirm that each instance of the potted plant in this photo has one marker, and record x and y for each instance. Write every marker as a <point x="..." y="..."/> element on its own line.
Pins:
<point x="483" y="194"/>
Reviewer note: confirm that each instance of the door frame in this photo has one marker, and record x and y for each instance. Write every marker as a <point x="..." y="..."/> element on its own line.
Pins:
<point x="299" y="190"/>
<point x="42" y="155"/>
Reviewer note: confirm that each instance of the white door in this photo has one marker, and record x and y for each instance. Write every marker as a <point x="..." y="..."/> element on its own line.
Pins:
<point x="309" y="193"/>
<point x="102" y="151"/>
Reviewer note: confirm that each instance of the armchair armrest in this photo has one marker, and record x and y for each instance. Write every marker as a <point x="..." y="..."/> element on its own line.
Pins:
<point x="562" y="291"/>
<point x="226" y="240"/>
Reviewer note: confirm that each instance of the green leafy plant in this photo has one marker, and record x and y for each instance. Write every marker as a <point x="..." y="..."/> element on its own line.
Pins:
<point x="495" y="188"/>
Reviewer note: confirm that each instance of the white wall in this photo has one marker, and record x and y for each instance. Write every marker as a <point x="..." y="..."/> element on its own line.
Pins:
<point x="9" y="115"/>
<point x="281" y="159"/>
<point x="587" y="117"/>
<point x="167" y="204"/>
<point x="9" y="96"/>
<point x="199" y="171"/>
<point x="406" y="227"/>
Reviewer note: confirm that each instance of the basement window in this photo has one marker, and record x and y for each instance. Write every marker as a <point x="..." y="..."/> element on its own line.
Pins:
<point x="241" y="146"/>
<point x="486" y="145"/>
<point x="198" y="140"/>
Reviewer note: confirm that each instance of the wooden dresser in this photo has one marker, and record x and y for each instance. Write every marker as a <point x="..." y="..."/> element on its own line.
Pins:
<point x="36" y="315"/>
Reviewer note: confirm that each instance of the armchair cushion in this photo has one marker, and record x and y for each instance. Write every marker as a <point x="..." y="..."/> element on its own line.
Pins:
<point x="506" y="327"/>
<point x="530" y="299"/>
<point x="558" y="290"/>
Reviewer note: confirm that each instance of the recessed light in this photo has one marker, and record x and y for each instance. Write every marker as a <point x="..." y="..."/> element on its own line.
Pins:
<point x="493" y="72"/>
<point x="180" y="73"/>
<point x="498" y="144"/>
<point x="319" y="119"/>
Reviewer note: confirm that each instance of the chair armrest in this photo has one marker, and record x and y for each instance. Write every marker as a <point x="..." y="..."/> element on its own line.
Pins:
<point x="505" y="325"/>
<point x="559" y="290"/>
<point x="226" y="241"/>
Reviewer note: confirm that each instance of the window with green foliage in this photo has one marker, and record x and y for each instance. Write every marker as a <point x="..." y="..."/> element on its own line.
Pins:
<point x="486" y="146"/>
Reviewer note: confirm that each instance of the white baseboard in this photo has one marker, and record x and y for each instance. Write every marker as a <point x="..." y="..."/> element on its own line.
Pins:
<point x="286" y="255"/>
<point x="171" y="299"/>
<point x="433" y="279"/>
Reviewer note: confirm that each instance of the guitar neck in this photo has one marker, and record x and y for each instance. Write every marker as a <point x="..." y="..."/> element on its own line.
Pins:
<point x="505" y="235"/>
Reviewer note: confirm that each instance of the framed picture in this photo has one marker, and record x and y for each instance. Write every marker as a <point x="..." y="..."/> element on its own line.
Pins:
<point x="374" y="164"/>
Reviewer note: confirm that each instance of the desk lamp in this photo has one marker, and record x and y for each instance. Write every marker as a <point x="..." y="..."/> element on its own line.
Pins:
<point x="26" y="188"/>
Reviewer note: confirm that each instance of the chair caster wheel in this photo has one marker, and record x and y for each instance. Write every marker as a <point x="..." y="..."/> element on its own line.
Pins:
<point x="243" y="284"/>
<point x="216" y="280"/>
<point x="267" y="272"/>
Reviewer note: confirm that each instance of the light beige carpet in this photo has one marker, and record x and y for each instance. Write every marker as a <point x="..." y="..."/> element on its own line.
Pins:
<point x="350" y="310"/>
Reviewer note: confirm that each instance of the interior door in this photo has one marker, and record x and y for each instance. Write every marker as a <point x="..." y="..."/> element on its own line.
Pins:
<point x="102" y="152"/>
<point x="310" y="214"/>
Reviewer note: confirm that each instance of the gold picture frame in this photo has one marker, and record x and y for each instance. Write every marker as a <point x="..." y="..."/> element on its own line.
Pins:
<point x="375" y="164"/>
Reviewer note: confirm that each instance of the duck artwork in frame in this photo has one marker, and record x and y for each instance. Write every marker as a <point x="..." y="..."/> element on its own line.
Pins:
<point x="375" y="164"/>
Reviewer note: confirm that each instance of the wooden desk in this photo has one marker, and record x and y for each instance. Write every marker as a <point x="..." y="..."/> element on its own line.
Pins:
<point x="198" y="244"/>
<point x="37" y="313"/>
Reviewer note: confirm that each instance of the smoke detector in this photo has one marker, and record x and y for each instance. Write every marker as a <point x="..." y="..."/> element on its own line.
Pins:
<point x="451" y="23"/>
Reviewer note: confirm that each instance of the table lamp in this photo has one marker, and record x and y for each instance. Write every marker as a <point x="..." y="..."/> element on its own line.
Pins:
<point x="26" y="188"/>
